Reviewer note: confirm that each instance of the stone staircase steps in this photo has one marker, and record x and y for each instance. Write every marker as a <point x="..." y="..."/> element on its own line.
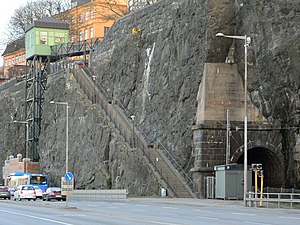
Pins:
<point x="162" y="168"/>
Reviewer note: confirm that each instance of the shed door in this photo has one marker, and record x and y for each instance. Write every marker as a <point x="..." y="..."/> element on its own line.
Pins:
<point x="231" y="185"/>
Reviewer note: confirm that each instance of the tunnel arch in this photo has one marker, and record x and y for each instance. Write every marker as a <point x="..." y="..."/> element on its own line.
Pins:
<point x="271" y="164"/>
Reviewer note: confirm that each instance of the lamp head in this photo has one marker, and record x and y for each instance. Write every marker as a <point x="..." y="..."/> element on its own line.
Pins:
<point x="52" y="102"/>
<point x="220" y="35"/>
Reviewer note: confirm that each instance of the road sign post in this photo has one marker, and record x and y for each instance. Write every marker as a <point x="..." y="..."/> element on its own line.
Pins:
<point x="69" y="180"/>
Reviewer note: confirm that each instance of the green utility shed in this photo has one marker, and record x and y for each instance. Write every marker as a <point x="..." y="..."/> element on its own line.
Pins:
<point x="230" y="181"/>
<point x="42" y="34"/>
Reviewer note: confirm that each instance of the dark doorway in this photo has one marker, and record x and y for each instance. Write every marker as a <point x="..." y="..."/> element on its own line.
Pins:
<point x="273" y="171"/>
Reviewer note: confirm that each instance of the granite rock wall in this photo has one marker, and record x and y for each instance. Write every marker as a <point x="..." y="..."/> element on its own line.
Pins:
<point x="155" y="75"/>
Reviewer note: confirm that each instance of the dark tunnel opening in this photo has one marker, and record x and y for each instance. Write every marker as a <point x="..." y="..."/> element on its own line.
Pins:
<point x="272" y="169"/>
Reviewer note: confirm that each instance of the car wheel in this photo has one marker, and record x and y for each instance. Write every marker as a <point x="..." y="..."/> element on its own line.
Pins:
<point x="20" y="199"/>
<point x="34" y="199"/>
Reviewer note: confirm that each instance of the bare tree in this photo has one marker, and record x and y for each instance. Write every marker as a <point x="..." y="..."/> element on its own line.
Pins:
<point x="33" y="10"/>
<point x="116" y="7"/>
<point x="110" y="9"/>
<point x="100" y="10"/>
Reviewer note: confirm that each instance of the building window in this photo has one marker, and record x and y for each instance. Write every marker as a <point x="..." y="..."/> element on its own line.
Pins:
<point x="80" y="35"/>
<point x="13" y="61"/>
<point x="59" y="40"/>
<point x="91" y="32"/>
<point x="86" y="15"/>
<point x="43" y="38"/>
<point x="86" y="34"/>
<point x="17" y="59"/>
<point x="72" y="38"/>
<point x="73" y="20"/>
<point x="8" y="62"/>
<point x="91" y="14"/>
<point x="106" y="30"/>
<point x="80" y="18"/>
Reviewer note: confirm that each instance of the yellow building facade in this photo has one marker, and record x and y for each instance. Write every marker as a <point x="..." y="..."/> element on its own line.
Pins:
<point x="88" y="19"/>
<point x="92" y="19"/>
<point x="14" y="58"/>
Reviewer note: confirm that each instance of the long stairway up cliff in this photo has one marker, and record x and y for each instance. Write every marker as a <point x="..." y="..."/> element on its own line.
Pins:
<point x="164" y="171"/>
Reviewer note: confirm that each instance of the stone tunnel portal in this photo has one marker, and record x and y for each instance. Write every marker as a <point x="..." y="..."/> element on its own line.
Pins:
<point x="273" y="171"/>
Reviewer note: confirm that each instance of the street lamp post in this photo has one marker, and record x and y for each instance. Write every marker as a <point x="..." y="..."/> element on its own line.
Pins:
<point x="67" y="131"/>
<point x="27" y="140"/>
<point x="95" y="97"/>
<point x="247" y="42"/>
<point x="133" y="141"/>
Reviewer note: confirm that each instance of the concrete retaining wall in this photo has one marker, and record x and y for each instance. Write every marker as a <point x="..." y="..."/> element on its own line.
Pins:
<point x="100" y="194"/>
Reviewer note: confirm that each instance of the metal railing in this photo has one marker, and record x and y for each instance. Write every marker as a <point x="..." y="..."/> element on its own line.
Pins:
<point x="176" y="164"/>
<point x="165" y="150"/>
<point x="116" y="115"/>
<point x="99" y="194"/>
<point x="75" y="48"/>
<point x="273" y="199"/>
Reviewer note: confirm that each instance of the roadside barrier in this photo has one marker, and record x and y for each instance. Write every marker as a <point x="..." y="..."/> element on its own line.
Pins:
<point x="279" y="200"/>
<point x="100" y="194"/>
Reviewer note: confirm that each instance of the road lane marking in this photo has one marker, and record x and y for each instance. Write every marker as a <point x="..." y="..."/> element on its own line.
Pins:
<point x="208" y="218"/>
<point x="201" y="210"/>
<point x="254" y="223"/>
<point x="142" y="205"/>
<point x="289" y="217"/>
<point x="139" y="210"/>
<point x="72" y="215"/>
<point x="169" y="207"/>
<point x="35" y="217"/>
<point x="244" y="214"/>
<point x="118" y="203"/>
<point x="167" y="213"/>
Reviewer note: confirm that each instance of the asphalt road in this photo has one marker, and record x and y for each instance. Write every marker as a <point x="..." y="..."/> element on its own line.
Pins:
<point x="142" y="212"/>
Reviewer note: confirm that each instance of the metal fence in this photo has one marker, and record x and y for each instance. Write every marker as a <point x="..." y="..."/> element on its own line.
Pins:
<point x="100" y="194"/>
<point x="281" y="199"/>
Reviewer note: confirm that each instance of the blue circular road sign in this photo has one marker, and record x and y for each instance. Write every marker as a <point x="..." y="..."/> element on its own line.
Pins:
<point x="69" y="176"/>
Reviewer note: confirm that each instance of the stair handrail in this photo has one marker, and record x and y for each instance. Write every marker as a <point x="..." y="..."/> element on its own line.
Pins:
<point x="141" y="139"/>
<point x="177" y="164"/>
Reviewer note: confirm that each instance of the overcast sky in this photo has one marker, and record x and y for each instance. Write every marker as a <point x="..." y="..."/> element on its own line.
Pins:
<point x="6" y="11"/>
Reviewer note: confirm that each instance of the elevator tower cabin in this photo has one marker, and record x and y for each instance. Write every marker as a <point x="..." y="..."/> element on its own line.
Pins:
<point x="39" y="37"/>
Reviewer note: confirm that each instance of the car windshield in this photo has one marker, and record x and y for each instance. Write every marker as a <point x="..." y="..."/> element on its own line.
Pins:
<point x="38" y="180"/>
<point x="27" y="188"/>
<point x="3" y="188"/>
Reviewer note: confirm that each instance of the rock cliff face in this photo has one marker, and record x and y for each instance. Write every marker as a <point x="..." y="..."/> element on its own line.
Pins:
<point x="12" y="108"/>
<point x="274" y="83"/>
<point x="97" y="156"/>
<point x="155" y="75"/>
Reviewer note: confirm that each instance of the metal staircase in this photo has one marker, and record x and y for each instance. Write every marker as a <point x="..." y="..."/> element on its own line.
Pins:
<point x="162" y="168"/>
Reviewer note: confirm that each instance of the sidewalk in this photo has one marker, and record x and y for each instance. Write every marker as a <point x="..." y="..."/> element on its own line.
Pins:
<point x="191" y="201"/>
